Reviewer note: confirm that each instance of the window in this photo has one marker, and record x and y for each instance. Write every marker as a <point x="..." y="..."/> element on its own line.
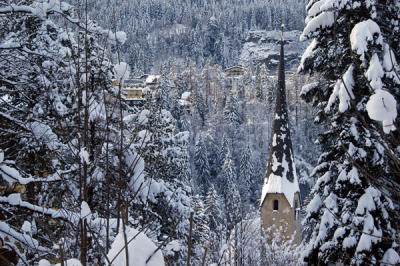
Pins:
<point x="296" y="209"/>
<point x="276" y="205"/>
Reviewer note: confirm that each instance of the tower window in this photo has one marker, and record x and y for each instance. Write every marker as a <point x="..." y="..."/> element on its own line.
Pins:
<point x="276" y="205"/>
<point x="296" y="209"/>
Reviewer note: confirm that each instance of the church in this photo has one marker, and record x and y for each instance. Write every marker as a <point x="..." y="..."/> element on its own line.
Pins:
<point x="280" y="198"/>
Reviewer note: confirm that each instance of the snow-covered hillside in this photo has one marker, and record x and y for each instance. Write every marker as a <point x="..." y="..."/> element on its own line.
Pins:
<point x="262" y="47"/>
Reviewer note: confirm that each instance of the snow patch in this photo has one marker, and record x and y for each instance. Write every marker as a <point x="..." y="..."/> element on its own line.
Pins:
<point x="362" y="33"/>
<point x="86" y="213"/>
<point x="375" y="72"/>
<point x="323" y="20"/>
<point x="391" y="257"/>
<point x="343" y="90"/>
<point x="84" y="155"/>
<point x="381" y="106"/>
<point x="140" y="249"/>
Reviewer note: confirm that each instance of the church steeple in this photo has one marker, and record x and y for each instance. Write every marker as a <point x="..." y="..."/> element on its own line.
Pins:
<point x="281" y="176"/>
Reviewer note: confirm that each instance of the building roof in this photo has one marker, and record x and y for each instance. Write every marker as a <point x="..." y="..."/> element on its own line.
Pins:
<point x="234" y="67"/>
<point x="281" y="176"/>
<point x="235" y="71"/>
<point x="152" y="78"/>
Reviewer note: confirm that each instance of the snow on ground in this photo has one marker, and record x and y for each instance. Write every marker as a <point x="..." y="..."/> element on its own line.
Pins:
<point x="70" y="262"/>
<point x="140" y="249"/>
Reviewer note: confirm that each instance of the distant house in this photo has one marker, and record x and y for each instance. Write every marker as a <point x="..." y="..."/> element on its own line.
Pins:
<point x="152" y="80"/>
<point x="133" y="88"/>
<point x="235" y="71"/>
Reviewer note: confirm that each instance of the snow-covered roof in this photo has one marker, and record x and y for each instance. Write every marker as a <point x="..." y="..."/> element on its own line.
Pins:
<point x="234" y="67"/>
<point x="185" y="95"/>
<point x="280" y="184"/>
<point x="152" y="78"/>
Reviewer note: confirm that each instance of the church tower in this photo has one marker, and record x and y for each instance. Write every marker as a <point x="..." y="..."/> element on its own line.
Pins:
<point x="280" y="199"/>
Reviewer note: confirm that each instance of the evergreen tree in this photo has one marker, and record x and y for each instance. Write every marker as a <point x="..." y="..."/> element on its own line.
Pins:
<point x="233" y="207"/>
<point x="200" y="106"/>
<point x="201" y="224"/>
<point x="163" y="93"/>
<point x="214" y="210"/>
<point x="261" y="83"/>
<point x="231" y="111"/>
<point x="228" y="174"/>
<point x="202" y="164"/>
<point x="355" y="47"/>
<point x="246" y="173"/>
<point x="231" y="194"/>
<point x="213" y="156"/>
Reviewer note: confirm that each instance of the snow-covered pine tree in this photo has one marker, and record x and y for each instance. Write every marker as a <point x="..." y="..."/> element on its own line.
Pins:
<point x="231" y="111"/>
<point x="261" y="83"/>
<point x="202" y="164"/>
<point x="233" y="207"/>
<point x="355" y="48"/>
<point x="224" y="149"/>
<point x="163" y="91"/>
<point x="214" y="210"/>
<point x="213" y="155"/>
<point x="246" y="173"/>
<point x="201" y="228"/>
<point x="200" y="106"/>
<point x="227" y="187"/>
<point x="213" y="206"/>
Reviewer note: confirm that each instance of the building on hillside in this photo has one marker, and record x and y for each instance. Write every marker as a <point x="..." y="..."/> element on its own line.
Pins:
<point x="133" y="89"/>
<point x="280" y="199"/>
<point x="233" y="74"/>
<point x="234" y="71"/>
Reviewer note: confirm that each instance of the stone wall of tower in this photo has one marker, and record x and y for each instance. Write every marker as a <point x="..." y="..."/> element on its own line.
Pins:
<point x="286" y="216"/>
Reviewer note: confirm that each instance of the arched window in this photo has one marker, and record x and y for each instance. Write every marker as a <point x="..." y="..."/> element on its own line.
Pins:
<point x="276" y="205"/>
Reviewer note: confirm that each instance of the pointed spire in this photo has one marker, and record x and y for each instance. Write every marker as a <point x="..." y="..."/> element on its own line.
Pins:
<point x="280" y="176"/>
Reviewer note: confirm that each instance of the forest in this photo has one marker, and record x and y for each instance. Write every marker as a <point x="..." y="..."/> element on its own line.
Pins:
<point x="151" y="133"/>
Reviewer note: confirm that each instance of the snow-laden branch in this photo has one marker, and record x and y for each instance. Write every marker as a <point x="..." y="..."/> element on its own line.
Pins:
<point x="11" y="175"/>
<point x="22" y="238"/>
<point x="15" y="200"/>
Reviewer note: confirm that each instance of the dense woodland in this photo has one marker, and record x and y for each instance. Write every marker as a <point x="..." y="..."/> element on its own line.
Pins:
<point x="88" y="178"/>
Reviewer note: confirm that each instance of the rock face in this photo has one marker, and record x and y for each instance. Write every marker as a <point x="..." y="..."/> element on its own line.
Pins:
<point x="262" y="47"/>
